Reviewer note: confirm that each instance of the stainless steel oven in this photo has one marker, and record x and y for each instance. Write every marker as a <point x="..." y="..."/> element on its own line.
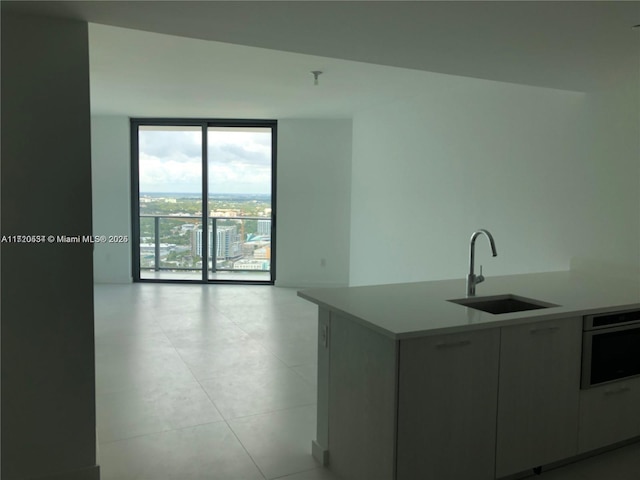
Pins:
<point x="610" y="347"/>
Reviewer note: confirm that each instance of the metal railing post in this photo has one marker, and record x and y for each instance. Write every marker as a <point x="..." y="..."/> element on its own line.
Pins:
<point x="214" y="244"/>
<point x="156" y="231"/>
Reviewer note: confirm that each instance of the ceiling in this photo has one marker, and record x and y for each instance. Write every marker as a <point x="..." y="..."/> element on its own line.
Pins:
<point x="143" y="74"/>
<point x="254" y="58"/>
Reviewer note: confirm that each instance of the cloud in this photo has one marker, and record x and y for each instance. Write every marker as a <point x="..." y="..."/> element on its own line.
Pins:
<point x="239" y="162"/>
<point x="177" y="146"/>
<point x="158" y="175"/>
<point x="240" y="148"/>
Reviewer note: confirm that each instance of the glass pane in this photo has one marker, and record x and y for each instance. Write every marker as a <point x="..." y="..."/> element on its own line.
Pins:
<point x="239" y="203"/>
<point x="170" y="172"/>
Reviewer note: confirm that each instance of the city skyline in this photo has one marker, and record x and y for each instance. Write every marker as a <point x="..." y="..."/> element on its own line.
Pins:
<point x="239" y="235"/>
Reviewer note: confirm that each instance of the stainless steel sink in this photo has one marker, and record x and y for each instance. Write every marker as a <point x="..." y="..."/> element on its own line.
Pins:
<point x="498" y="304"/>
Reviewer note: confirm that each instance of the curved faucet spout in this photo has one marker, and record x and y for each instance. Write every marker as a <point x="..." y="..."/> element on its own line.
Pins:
<point x="472" y="278"/>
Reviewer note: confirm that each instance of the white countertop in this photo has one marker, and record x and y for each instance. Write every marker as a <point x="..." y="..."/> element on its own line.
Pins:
<point x="417" y="309"/>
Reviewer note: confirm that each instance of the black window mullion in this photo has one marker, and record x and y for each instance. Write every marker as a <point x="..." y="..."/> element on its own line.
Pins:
<point x="135" y="201"/>
<point x="274" y="228"/>
<point x="205" y="206"/>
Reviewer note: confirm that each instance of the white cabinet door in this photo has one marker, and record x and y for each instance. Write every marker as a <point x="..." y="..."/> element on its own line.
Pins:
<point x="609" y="414"/>
<point x="362" y="401"/>
<point x="538" y="398"/>
<point x="447" y="406"/>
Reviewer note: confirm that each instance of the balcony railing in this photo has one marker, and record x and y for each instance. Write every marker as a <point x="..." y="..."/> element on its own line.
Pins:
<point x="174" y="243"/>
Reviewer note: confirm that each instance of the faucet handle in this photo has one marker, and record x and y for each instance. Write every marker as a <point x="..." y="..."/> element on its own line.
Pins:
<point x="480" y="278"/>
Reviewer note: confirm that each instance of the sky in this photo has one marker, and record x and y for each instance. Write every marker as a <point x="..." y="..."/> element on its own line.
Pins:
<point x="170" y="160"/>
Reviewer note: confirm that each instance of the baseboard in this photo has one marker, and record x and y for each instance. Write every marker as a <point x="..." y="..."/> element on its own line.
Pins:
<point x="574" y="459"/>
<point x="320" y="453"/>
<point x="113" y="281"/>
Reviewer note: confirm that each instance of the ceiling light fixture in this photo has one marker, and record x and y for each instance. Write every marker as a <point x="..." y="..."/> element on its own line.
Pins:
<point x="316" y="74"/>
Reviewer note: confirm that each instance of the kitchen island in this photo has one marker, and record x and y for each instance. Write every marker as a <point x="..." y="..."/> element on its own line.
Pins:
<point x="409" y="382"/>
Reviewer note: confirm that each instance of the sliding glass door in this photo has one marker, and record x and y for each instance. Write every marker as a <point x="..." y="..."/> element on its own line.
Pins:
<point x="239" y="176"/>
<point x="194" y="176"/>
<point x="169" y="198"/>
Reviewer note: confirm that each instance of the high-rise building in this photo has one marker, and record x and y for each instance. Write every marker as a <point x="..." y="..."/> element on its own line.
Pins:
<point x="227" y="242"/>
<point x="196" y="242"/>
<point x="264" y="227"/>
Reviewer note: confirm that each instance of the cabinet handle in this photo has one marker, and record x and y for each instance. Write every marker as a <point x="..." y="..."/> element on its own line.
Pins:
<point x="325" y="336"/>
<point x="461" y="343"/>
<point x="533" y="331"/>
<point x="617" y="390"/>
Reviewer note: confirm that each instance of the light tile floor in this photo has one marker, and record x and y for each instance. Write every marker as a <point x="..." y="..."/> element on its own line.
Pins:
<point x="217" y="382"/>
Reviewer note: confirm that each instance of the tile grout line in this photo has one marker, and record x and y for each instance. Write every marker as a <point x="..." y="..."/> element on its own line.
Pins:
<point x="245" y="449"/>
<point x="226" y="421"/>
<point x="278" y="410"/>
<point x="228" y="425"/>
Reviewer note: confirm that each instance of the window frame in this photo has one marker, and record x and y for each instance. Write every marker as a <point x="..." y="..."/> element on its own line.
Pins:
<point x="204" y="124"/>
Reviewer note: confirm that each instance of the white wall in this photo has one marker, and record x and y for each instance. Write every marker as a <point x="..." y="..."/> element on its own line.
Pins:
<point x="314" y="178"/>
<point x="110" y="171"/>
<point x="611" y="168"/>
<point x="468" y="154"/>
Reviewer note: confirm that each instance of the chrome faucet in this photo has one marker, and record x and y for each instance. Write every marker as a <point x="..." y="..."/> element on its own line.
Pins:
<point x="472" y="278"/>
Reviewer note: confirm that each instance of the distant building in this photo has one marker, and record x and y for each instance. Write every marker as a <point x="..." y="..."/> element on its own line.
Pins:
<point x="150" y="248"/>
<point x="264" y="227"/>
<point x="148" y="253"/>
<point x="248" y="249"/>
<point x="227" y="242"/>
<point x="225" y="212"/>
<point x="263" y="253"/>
<point x="196" y="242"/>
<point x="251" y="264"/>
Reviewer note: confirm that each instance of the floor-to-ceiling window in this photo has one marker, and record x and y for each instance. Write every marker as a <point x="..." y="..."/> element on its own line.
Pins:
<point x="203" y="200"/>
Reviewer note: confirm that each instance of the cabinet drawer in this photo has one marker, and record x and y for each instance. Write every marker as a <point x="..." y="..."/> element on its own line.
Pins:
<point x="609" y="414"/>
